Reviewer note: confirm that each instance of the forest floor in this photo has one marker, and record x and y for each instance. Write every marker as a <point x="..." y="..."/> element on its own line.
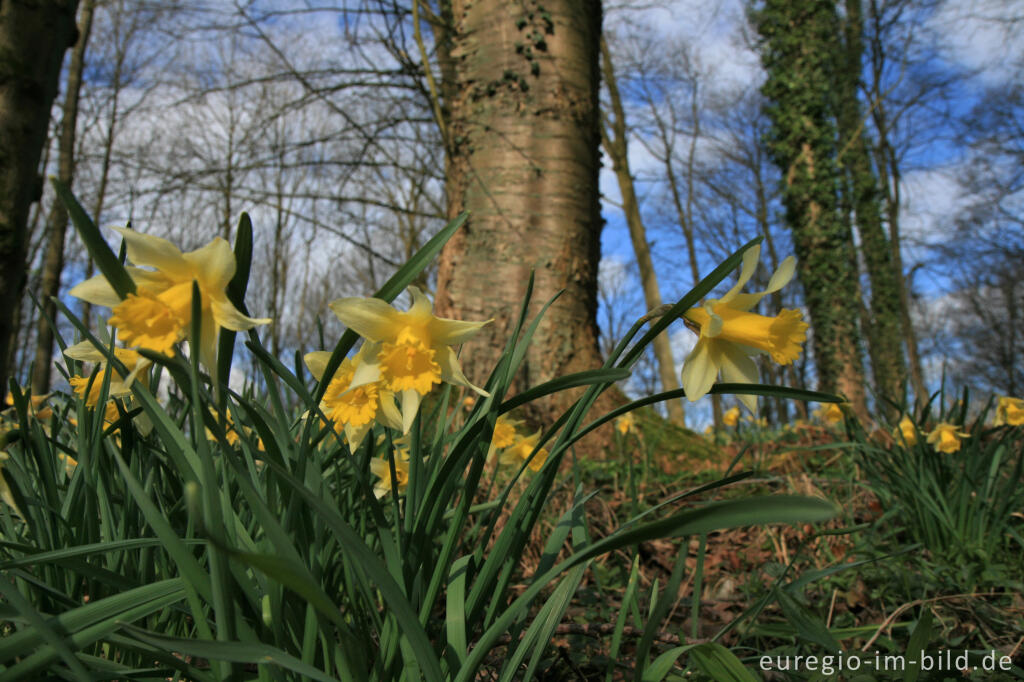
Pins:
<point x="857" y="581"/>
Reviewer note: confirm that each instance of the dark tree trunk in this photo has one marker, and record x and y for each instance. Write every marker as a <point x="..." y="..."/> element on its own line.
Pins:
<point x="33" y="38"/>
<point x="56" y="226"/>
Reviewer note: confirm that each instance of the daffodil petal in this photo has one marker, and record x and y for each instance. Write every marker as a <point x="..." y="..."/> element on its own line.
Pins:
<point x="355" y="435"/>
<point x="371" y="318"/>
<point x="699" y="370"/>
<point x="389" y="413"/>
<point x="750" y="258"/>
<point x="745" y="302"/>
<point x="85" y="351"/>
<point x="96" y="290"/>
<point x="453" y="332"/>
<point x="740" y="369"/>
<point x="715" y="322"/>
<point x="421" y="305"/>
<point x="316" y="362"/>
<point x="156" y="252"/>
<point x="410" y="400"/>
<point x="782" y="275"/>
<point x="226" y="315"/>
<point x="152" y="280"/>
<point x="214" y="264"/>
<point x="365" y="372"/>
<point x="451" y="372"/>
<point x="208" y="342"/>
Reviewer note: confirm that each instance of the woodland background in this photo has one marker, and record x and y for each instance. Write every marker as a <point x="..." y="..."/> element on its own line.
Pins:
<point x="332" y="125"/>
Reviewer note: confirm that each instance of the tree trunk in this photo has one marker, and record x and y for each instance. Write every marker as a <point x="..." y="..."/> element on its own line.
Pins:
<point x="57" y="222"/>
<point x="889" y="177"/>
<point x="617" y="150"/>
<point x="798" y="55"/>
<point x="883" y="327"/>
<point x="522" y="101"/>
<point x="33" y="38"/>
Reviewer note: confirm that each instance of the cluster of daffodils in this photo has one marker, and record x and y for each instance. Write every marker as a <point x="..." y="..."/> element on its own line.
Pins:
<point x="948" y="438"/>
<point x="729" y="334"/>
<point x="404" y="355"/>
<point x="513" y="449"/>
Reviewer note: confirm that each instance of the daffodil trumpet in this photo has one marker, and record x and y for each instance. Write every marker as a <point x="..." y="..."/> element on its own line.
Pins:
<point x="353" y="408"/>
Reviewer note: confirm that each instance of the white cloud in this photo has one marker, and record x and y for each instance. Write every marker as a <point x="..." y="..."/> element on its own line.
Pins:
<point x="929" y="198"/>
<point x="983" y="35"/>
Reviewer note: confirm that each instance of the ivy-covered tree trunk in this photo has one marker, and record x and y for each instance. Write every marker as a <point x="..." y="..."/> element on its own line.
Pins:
<point x="798" y="52"/>
<point x="33" y="38"/>
<point x="883" y="330"/>
<point x="521" y="110"/>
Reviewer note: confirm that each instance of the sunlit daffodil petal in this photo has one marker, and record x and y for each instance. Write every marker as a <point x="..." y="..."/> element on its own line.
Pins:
<point x="158" y="315"/>
<point x="415" y="346"/>
<point x="729" y="334"/>
<point x="1009" y="411"/>
<point x="906" y="430"/>
<point x="381" y="468"/>
<point x="522" y="450"/>
<point x="946" y="438"/>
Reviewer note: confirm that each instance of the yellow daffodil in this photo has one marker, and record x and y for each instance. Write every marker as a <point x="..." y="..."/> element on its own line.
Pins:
<point x="35" y="406"/>
<point x="945" y="438"/>
<point x="414" y="348"/>
<point x="159" y="313"/>
<point x="731" y="416"/>
<point x="231" y="434"/>
<point x="521" y="450"/>
<point x="730" y="334"/>
<point x="625" y="423"/>
<point x="354" y="409"/>
<point x="1009" y="412"/>
<point x="69" y="463"/>
<point x="830" y="413"/>
<point x="5" y="490"/>
<point x="907" y="430"/>
<point x="120" y="387"/>
<point x="505" y="434"/>
<point x="381" y="468"/>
